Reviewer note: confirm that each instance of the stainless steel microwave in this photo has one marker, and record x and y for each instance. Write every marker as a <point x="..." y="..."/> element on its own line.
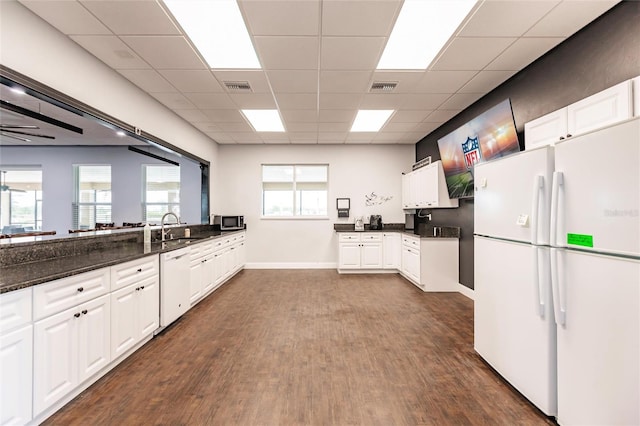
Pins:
<point x="228" y="223"/>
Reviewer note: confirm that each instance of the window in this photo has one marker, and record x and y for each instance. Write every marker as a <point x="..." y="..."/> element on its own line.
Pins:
<point x="92" y="199"/>
<point x="20" y="201"/>
<point x="161" y="191"/>
<point x="294" y="190"/>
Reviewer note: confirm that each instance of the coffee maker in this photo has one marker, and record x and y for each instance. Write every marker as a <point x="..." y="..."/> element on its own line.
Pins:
<point x="375" y="222"/>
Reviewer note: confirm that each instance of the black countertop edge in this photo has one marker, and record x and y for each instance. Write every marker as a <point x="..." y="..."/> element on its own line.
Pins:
<point x="19" y="276"/>
<point x="424" y="231"/>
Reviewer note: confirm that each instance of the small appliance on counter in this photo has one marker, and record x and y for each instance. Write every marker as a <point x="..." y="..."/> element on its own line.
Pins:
<point x="228" y="223"/>
<point x="359" y="225"/>
<point x="375" y="222"/>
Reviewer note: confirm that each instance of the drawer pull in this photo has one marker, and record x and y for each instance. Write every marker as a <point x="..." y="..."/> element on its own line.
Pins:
<point x="84" y="312"/>
<point x="141" y="287"/>
<point x="139" y="269"/>
<point x="80" y="289"/>
<point x="77" y="315"/>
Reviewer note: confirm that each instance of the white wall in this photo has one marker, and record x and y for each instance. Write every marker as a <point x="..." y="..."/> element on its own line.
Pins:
<point x="34" y="48"/>
<point x="354" y="171"/>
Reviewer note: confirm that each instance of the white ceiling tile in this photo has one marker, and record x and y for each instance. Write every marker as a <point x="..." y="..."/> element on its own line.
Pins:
<point x="523" y="52"/>
<point x="332" y="136"/>
<point x="351" y="53"/>
<point x="301" y="127"/>
<point x="339" y="101"/>
<point x="443" y="81"/>
<point x="211" y="100"/>
<point x="287" y="53"/>
<point x="303" y="135"/>
<point x="235" y="128"/>
<point x="442" y="115"/>
<point x="246" y="136"/>
<point x="381" y="101"/>
<point x="344" y="81"/>
<point x="334" y="127"/>
<point x="112" y="51"/>
<point x="568" y="17"/>
<point x="274" y="136"/>
<point x="297" y="101"/>
<point x="294" y="81"/>
<point x="466" y="53"/>
<point x="220" y="137"/>
<point x="360" y="137"/>
<point x="284" y="141"/>
<point x="388" y="137"/>
<point x="332" y="143"/>
<point x="148" y="80"/>
<point x="486" y="81"/>
<point x="223" y="115"/>
<point x="169" y="52"/>
<point x="461" y="100"/>
<point x="304" y="141"/>
<point x="505" y="18"/>
<point x="299" y="115"/>
<point x="268" y="17"/>
<point x="424" y="100"/>
<point x="254" y="101"/>
<point x="337" y="115"/>
<point x="192" y="80"/>
<point x="193" y="115"/>
<point x="174" y="100"/>
<point x="208" y="128"/>
<point x="399" y="127"/>
<point x="67" y="16"/>
<point x="410" y="116"/>
<point x="407" y="80"/>
<point x="359" y="18"/>
<point x="257" y="78"/>
<point x="426" y="128"/>
<point x="132" y="17"/>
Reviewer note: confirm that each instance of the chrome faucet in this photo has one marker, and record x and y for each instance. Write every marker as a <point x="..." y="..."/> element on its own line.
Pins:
<point x="163" y="232"/>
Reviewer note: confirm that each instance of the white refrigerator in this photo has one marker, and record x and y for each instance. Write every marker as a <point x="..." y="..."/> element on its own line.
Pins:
<point x="558" y="316"/>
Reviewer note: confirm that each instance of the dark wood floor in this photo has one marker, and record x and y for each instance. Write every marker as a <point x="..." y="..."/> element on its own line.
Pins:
<point x="309" y="347"/>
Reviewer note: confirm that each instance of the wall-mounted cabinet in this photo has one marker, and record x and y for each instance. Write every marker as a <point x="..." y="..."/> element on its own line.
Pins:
<point x="426" y="188"/>
<point x="610" y="106"/>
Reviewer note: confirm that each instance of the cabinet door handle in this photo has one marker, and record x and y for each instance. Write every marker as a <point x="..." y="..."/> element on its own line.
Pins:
<point x="137" y="288"/>
<point x="80" y="289"/>
<point x="77" y="315"/>
<point x="139" y="269"/>
<point x="84" y="312"/>
<point x="141" y="287"/>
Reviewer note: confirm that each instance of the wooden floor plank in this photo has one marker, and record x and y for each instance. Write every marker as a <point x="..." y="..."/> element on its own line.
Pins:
<point x="309" y="347"/>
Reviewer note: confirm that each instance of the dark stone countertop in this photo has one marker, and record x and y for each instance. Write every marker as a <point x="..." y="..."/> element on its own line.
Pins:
<point x="22" y="270"/>
<point x="423" y="231"/>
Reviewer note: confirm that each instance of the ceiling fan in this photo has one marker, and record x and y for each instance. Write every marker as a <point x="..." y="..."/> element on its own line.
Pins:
<point x="17" y="132"/>
<point x="3" y="184"/>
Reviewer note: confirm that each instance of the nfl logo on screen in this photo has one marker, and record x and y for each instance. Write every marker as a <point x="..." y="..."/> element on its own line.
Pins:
<point x="471" y="151"/>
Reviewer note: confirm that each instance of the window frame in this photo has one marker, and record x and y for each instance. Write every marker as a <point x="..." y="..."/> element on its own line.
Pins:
<point x="170" y="205"/>
<point x="75" y="210"/>
<point x="294" y="190"/>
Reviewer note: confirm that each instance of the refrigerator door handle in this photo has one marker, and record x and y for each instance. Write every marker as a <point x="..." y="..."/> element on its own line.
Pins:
<point x="536" y="280"/>
<point x="558" y="181"/>
<point x="538" y="185"/>
<point x="559" y="306"/>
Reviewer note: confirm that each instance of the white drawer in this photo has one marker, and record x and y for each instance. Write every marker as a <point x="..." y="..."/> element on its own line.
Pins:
<point x="349" y="236"/>
<point x="15" y="309"/>
<point x="58" y="295"/>
<point x="413" y="242"/>
<point x="371" y="236"/>
<point x="128" y="273"/>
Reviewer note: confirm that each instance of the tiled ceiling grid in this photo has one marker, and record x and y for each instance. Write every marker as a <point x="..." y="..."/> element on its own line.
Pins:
<point x="319" y="59"/>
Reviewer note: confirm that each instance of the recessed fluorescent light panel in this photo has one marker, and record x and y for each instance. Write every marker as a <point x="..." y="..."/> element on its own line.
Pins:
<point x="264" y="120"/>
<point x="422" y="29"/>
<point x="370" y="120"/>
<point x="217" y="30"/>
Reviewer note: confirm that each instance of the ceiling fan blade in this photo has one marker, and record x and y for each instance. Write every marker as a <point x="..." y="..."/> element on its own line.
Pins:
<point x="10" y="126"/>
<point x="28" y="134"/>
<point x="15" y="137"/>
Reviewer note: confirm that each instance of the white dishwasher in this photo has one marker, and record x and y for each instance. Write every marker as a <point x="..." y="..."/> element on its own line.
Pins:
<point x="174" y="285"/>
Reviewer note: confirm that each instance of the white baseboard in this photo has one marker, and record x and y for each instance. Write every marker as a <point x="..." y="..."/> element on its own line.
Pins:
<point x="291" y="265"/>
<point x="466" y="291"/>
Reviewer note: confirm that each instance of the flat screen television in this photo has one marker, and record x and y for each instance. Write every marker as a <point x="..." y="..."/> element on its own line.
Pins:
<point x="490" y="135"/>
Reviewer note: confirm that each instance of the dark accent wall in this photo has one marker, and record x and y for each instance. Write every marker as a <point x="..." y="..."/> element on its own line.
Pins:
<point x="602" y="54"/>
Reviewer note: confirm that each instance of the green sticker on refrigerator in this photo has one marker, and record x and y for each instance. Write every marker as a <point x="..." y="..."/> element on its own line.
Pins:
<point x="580" y="240"/>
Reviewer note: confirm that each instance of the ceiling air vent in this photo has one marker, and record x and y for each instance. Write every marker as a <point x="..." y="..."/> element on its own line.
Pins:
<point x="237" y="86"/>
<point x="383" y="86"/>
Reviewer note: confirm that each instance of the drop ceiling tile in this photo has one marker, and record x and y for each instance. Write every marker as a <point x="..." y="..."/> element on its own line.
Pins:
<point x="294" y="81"/>
<point x="297" y="136"/>
<point x="466" y="53"/>
<point x="268" y="17"/>
<point x="211" y="100"/>
<point x="192" y="80"/>
<point x="505" y="18"/>
<point x="246" y="137"/>
<point x="442" y="115"/>
<point x="344" y="81"/>
<point x="304" y="141"/>
<point x="407" y="80"/>
<point x="332" y="143"/>
<point x="426" y="128"/>
<point x="257" y="78"/>
<point x="443" y="81"/>
<point x="254" y="101"/>
<point x="300" y="127"/>
<point x="68" y="17"/>
<point x="461" y="100"/>
<point x="235" y="128"/>
<point x="399" y="127"/>
<point x="424" y="100"/>
<point x="413" y="137"/>
<point x="388" y="137"/>
<point x="334" y="127"/>
<point x="169" y="52"/>
<point x="486" y="81"/>
<point x="287" y="53"/>
<point x="332" y="136"/>
<point x="359" y="18"/>
<point x="339" y="101"/>
<point x="409" y="116"/>
<point x="523" y="52"/>
<point x="274" y="136"/>
<point x="192" y="115"/>
<point x="292" y="101"/>
<point x="148" y="80"/>
<point x="337" y="116"/>
<point x="568" y="17"/>
<point x="174" y="100"/>
<point x="220" y="137"/>
<point x="360" y="137"/>
<point x="223" y="115"/>
<point x="284" y="141"/>
<point x="381" y="101"/>
<point x="351" y="53"/>
<point x="208" y="128"/>
<point x="299" y="115"/>
<point x="132" y="17"/>
<point x="112" y="51"/>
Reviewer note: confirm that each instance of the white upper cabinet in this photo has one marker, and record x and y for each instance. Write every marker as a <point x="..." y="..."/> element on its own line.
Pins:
<point x="610" y="106"/>
<point x="636" y="96"/>
<point x="426" y="188"/>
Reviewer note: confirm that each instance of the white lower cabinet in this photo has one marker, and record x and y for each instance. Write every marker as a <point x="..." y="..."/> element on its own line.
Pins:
<point x="360" y="250"/>
<point x="430" y="263"/>
<point x="391" y="253"/>
<point x="70" y="347"/>
<point x="16" y="371"/>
